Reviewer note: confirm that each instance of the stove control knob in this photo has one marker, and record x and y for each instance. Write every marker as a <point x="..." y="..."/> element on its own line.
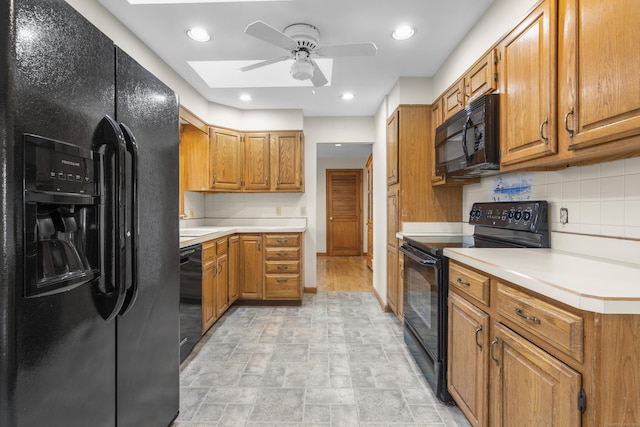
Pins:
<point x="518" y="216"/>
<point x="527" y="216"/>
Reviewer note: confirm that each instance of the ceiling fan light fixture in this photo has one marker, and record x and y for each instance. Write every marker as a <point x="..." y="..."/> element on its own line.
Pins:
<point x="403" y="32"/>
<point x="302" y="70"/>
<point x="198" y="34"/>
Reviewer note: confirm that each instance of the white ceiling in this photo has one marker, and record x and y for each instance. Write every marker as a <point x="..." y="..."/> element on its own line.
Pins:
<point x="440" y="26"/>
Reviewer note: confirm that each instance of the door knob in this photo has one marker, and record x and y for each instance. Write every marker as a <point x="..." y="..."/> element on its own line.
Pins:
<point x="330" y="218"/>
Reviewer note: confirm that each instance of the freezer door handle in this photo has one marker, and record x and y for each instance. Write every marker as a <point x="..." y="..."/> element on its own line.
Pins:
<point x="132" y="227"/>
<point x="112" y="290"/>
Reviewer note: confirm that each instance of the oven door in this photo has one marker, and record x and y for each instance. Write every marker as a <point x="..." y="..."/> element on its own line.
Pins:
<point x="422" y="279"/>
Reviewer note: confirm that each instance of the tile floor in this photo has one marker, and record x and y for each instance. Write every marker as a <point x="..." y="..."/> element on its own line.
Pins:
<point x="336" y="360"/>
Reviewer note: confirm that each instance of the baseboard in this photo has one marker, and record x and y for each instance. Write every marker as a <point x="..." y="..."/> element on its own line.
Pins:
<point x="384" y="306"/>
<point x="310" y="290"/>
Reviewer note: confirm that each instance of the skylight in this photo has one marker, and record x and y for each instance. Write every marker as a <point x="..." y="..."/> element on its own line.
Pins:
<point x="227" y="74"/>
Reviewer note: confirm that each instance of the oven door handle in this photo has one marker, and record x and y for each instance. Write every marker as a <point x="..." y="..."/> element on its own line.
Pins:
<point x="424" y="258"/>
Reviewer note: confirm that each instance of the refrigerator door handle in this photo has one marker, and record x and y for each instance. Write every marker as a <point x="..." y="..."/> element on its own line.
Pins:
<point x="111" y="297"/>
<point x="132" y="282"/>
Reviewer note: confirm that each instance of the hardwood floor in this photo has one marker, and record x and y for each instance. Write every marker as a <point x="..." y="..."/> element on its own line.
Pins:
<point x="343" y="274"/>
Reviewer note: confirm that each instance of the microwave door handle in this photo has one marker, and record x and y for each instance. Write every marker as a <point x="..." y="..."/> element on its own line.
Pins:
<point x="466" y="125"/>
<point x="111" y="295"/>
<point x="132" y="282"/>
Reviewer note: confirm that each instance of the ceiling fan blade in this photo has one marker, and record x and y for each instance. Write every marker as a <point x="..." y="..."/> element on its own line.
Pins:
<point x="270" y="34"/>
<point x="264" y="63"/>
<point x="357" y="49"/>
<point x="318" y="79"/>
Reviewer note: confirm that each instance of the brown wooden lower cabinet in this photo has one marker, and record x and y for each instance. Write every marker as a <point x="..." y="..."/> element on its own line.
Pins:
<point x="529" y="386"/>
<point x="215" y="281"/>
<point x="251" y="266"/>
<point x="468" y="359"/>
<point x="234" y="260"/>
<point x="518" y="358"/>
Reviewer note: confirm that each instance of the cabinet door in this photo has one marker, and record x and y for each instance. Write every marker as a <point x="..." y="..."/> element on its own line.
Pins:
<point x="222" y="285"/>
<point x="599" y="81"/>
<point x="225" y="160"/>
<point x="436" y="120"/>
<point x="528" y="84"/>
<point x="453" y="99"/>
<point x="288" y="161"/>
<point x="393" y="130"/>
<point x="256" y="161"/>
<point x="529" y="386"/>
<point x="393" y="226"/>
<point x="208" y="294"/>
<point x="234" y="258"/>
<point x="481" y="79"/>
<point x="392" y="279"/>
<point x="194" y="150"/>
<point x="468" y="361"/>
<point x="251" y="277"/>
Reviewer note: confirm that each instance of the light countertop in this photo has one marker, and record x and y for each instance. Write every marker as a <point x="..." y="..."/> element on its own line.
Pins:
<point x="191" y="234"/>
<point x="585" y="282"/>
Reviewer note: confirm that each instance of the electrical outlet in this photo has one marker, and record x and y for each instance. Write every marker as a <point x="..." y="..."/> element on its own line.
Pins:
<point x="278" y="211"/>
<point x="564" y="216"/>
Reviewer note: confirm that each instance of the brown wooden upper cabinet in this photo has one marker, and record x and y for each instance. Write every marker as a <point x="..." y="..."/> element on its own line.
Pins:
<point x="256" y="161"/>
<point x="287" y="161"/>
<point x="225" y="160"/>
<point x="393" y="128"/>
<point x="480" y="79"/>
<point x="232" y="161"/>
<point x="599" y="81"/>
<point x="527" y="80"/>
<point x="581" y="56"/>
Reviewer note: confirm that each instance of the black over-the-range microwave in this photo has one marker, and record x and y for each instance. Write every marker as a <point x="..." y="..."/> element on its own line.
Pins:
<point x="468" y="143"/>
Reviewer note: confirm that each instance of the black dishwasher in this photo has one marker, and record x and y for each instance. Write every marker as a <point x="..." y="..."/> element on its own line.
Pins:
<point x="190" y="298"/>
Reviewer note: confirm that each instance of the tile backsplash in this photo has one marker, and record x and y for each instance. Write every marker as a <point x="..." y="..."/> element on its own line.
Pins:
<point x="602" y="199"/>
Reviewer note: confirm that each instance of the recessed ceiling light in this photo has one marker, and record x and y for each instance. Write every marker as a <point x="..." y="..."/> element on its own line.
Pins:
<point x="198" y="34"/>
<point x="245" y="97"/>
<point x="403" y="32"/>
<point x="338" y="145"/>
<point x="347" y="96"/>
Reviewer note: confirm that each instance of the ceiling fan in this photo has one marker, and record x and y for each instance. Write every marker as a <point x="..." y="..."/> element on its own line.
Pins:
<point x="302" y="41"/>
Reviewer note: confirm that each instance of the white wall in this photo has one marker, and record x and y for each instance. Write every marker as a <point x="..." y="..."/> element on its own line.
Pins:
<point x="501" y="16"/>
<point x="325" y="163"/>
<point x="380" y="201"/>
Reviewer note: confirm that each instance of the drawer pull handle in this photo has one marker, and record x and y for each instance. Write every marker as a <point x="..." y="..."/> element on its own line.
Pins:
<point x="282" y="254"/>
<point x="282" y="280"/>
<point x="463" y="282"/>
<point x="493" y="343"/>
<point x="477" y="332"/>
<point x="283" y="267"/>
<point x="282" y="240"/>
<point x="533" y="319"/>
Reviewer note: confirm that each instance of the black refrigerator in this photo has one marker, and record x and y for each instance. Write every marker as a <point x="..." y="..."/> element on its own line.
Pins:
<point x="89" y="269"/>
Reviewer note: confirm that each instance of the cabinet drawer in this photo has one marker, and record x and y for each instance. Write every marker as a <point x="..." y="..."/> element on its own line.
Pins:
<point x="209" y="250"/>
<point x="222" y="245"/>
<point x="553" y="325"/>
<point x="277" y="254"/>
<point x="469" y="282"/>
<point x="282" y="286"/>
<point x="282" y="240"/>
<point x="282" y="267"/>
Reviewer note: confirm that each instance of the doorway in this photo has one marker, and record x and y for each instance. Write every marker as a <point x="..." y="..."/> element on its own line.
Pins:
<point x="344" y="212"/>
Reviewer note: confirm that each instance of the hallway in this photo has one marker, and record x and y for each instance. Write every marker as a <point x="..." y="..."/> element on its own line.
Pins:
<point x="336" y="360"/>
